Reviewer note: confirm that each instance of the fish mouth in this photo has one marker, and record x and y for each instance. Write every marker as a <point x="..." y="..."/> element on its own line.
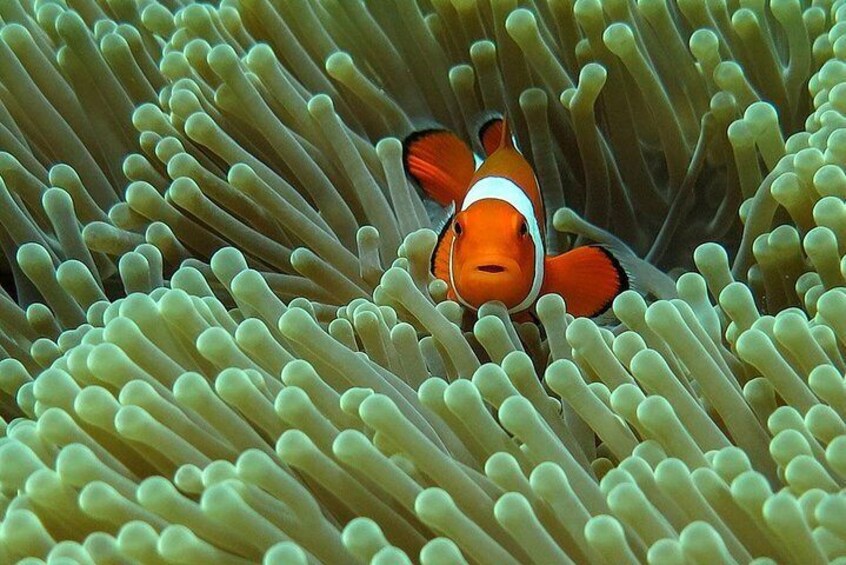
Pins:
<point x="491" y="268"/>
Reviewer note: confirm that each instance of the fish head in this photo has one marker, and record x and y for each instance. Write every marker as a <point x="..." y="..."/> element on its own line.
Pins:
<point x="493" y="254"/>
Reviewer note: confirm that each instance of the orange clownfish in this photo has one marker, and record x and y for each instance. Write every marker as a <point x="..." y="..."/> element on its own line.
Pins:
<point x="492" y="248"/>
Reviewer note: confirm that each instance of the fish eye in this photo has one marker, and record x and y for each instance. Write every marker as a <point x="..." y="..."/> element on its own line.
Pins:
<point x="456" y="227"/>
<point x="524" y="229"/>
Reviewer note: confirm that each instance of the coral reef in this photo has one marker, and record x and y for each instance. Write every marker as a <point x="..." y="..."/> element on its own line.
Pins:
<point x="220" y="340"/>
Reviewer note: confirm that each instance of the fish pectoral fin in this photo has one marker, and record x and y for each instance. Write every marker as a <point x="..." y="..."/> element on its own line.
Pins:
<point x="588" y="278"/>
<point x="440" y="256"/>
<point x="441" y="163"/>
<point x="523" y="317"/>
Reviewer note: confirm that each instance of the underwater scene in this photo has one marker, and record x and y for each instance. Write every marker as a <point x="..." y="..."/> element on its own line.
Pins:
<point x="422" y="281"/>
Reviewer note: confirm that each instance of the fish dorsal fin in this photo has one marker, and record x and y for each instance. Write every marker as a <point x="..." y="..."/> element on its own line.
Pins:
<point x="505" y="140"/>
<point x="441" y="163"/>
<point x="588" y="277"/>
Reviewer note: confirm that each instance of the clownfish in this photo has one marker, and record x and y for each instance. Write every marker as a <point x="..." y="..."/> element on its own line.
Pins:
<point x="492" y="247"/>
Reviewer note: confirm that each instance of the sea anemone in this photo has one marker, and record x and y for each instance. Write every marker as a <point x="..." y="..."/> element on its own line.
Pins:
<point x="220" y="340"/>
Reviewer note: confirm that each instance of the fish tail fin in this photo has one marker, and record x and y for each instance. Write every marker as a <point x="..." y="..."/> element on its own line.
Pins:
<point x="494" y="133"/>
<point x="588" y="278"/>
<point x="490" y="133"/>
<point x="440" y="162"/>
